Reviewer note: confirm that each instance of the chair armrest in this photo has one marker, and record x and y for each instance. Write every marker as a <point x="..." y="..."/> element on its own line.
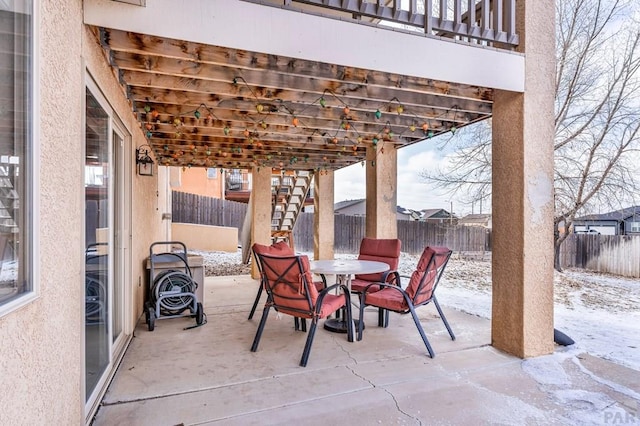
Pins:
<point x="383" y="285"/>
<point x="391" y="277"/>
<point x="326" y="291"/>
<point x="324" y="280"/>
<point x="332" y="287"/>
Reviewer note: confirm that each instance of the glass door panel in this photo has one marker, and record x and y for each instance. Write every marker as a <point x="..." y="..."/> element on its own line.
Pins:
<point x="98" y="204"/>
<point x="117" y="237"/>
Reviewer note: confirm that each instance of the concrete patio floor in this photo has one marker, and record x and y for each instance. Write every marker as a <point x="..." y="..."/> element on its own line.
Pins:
<point x="208" y="375"/>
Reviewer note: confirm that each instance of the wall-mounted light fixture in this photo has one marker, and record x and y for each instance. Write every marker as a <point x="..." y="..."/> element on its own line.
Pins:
<point x="144" y="161"/>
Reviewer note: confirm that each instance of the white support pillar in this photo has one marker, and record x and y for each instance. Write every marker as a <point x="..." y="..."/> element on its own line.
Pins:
<point x="323" y="217"/>
<point x="523" y="135"/>
<point x="382" y="195"/>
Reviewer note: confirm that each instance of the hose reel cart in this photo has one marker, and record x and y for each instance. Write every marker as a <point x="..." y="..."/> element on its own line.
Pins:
<point x="171" y="291"/>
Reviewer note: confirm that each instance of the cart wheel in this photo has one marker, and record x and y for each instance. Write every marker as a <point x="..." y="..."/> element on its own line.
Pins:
<point x="152" y="318"/>
<point x="147" y="306"/>
<point x="199" y="314"/>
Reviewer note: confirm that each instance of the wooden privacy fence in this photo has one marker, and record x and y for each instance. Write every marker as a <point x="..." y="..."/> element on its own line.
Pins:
<point x="614" y="254"/>
<point x="191" y="208"/>
<point x="349" y="230"/>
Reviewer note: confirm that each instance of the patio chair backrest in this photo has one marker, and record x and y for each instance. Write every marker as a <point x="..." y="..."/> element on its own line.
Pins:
<point x="289" y="283"/>
<point x="425" y="278"/>
<point x="380" y="250"/>
<point x="280" y="248"/>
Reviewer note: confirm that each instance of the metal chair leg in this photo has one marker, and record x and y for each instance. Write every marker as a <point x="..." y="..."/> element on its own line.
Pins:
<point x="421" y="330"/>
<point x="383" y="317"/>
<point x="307" y="346"/>
<point x="263" y="321"/>
<point x="361" y="320"/>
<point x="255" y="302"/>
<point x="350" y="323"/>
<point x="446" y="323"/>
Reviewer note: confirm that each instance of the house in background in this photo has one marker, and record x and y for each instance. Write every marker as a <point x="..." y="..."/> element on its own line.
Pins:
<point x="359" y="208"/>
<point x="481" y="220"/>
<point x="407" y="214"/>
<point x="619" y="222"/>
<point x="209" y="182"/>
<point x="350" y="207"/>
<point x="440" y="216"/>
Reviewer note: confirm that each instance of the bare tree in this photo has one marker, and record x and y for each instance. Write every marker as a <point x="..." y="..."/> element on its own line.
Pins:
<point x="597" y="116"/>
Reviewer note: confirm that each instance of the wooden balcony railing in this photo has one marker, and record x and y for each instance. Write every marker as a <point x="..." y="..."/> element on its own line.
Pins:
<point x="483" y="22"/>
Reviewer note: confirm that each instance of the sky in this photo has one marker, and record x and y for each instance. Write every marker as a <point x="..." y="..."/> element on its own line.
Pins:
<point x="413" y="192"/>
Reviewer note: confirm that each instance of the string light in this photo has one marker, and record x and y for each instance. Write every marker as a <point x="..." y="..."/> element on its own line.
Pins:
<point x="346" y="124"/>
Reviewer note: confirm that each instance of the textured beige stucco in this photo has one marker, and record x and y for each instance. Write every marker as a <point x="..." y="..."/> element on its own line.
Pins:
<point x="323" y="218"/>
<point x="206" y="237"/>
<point x="41" y="354"/>
<point x="382" y="192"/>
<point x="261" y="209"/>
<point x="523" y="132"/>
<point x="42" y="346"/>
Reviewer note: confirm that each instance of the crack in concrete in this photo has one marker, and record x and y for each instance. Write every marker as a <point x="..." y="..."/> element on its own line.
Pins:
<point x="388" y="392"/>
<point x="345" y="350"/>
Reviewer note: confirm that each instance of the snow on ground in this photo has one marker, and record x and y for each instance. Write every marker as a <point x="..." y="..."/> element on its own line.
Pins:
<point x="600" y="312"/>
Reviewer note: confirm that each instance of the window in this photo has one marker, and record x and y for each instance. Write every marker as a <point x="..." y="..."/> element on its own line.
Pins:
<point x="212" y="173"/>
<point x="635" y="226"/>
<point x="16" y="148"/>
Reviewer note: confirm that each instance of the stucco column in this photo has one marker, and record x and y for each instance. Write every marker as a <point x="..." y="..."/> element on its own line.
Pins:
<point x="260" y="209"/>
<point x="523" y="134"/>
<point x="382" y="194"/>
<point x="323" y="218"/>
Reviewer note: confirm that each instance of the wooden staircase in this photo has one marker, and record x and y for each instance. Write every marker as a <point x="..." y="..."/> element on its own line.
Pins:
<point x="9" y="205"/>
<point x="289" y="191"/>
<point x="8" y="199"/>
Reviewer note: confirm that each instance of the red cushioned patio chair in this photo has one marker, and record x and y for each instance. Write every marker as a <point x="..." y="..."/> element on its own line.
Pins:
<point x="380" y="250"/>
<point x="290" y="290"/>
<point x="280" y="248"/>
<point x="420" y="291"/>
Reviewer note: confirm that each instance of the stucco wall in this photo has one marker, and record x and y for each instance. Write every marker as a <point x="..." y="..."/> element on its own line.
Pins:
<point x="41" y="351"/>
<point x="41" y="344"/>
<point x="196" y="181"/>
<point x="206" y="237"/>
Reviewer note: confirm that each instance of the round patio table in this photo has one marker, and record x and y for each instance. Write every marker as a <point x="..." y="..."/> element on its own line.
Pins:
<point x="343" y="269"/>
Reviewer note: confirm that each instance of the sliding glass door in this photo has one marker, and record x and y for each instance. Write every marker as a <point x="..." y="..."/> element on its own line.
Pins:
<point x="106" y="242"/>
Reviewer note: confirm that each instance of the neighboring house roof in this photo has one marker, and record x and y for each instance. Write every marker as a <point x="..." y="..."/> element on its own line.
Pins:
<point x="475" y="219"/>
<point x="435" y="214"/>
<point x="617" y="215"/>
<point x="347" y="203"/>
<point x="413" y="214"/>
